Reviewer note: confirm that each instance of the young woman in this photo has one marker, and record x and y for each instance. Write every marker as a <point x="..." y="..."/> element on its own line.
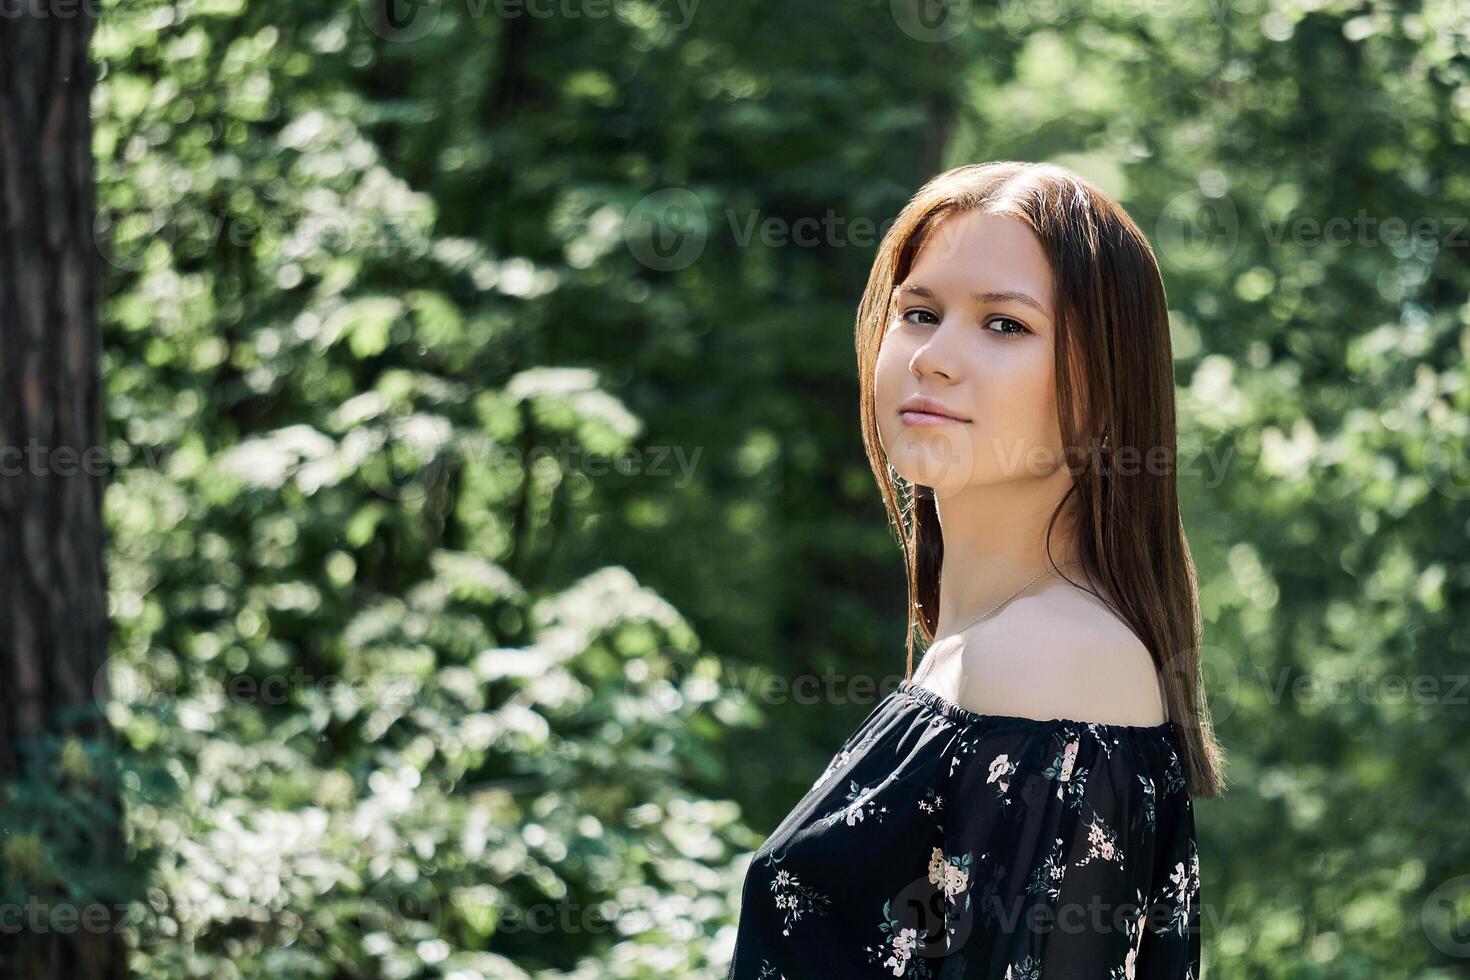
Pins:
<point x="1024" y="813"/>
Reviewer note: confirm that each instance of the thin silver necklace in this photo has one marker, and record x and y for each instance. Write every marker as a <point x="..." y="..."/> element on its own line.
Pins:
<point x="1002" y="604"/>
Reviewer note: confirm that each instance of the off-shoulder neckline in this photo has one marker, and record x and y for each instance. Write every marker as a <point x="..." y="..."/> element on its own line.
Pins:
<point x="958" y="712"/>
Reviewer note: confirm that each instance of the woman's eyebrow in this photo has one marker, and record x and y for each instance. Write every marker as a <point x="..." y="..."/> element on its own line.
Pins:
<point x="992" y="296"/>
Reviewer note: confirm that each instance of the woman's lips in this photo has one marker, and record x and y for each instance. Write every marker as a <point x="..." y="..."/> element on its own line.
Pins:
<point x="926" y="419"/>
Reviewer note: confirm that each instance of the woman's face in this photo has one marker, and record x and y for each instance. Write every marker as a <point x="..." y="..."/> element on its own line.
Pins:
<point x="971" y="328"/>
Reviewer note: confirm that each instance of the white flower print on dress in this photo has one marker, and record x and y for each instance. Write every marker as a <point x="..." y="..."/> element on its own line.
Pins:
<point x="795" y="899"/>
<point x="1102" y="843"/>
<point x="1174" y="775"/>
<point x="1148" y="799"/>
<point x="903" y="951"/>
<point x="932" y="801"/>
<point x="1069" y="759"/>
<point x="1181" y="891"/>
<point x="951" y="874"/>
<point x="1001" y="770"/>
<point x="898" y="951"/>
<point x="1027" y="969"/>
<point x="1070" y="780"/>
<point x="963" y="747"/>
<point x="1103" y="743"/>
<point x="843" y="756"/>
<point x="1135" y="933"/>
<point x="860" y="804"/>
<point x="838" y="762"/>
<point x="1046" y="877"/>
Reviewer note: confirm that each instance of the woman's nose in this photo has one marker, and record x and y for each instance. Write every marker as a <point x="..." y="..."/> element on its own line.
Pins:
<point x="931" y="357"/>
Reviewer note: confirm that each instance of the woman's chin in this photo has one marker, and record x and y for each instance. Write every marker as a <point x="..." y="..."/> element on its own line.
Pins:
<point x="942" y="484"/>
<point x="934" y="462"/>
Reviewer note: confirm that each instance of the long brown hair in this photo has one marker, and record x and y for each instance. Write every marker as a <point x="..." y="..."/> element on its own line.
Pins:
<point x="1115" y="393"/>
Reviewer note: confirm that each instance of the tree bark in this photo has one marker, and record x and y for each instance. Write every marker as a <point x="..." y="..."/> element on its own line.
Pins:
<point x="53" y="600"/>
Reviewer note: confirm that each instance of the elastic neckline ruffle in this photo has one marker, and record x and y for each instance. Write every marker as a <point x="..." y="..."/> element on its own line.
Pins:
<point x="959" y="713"/>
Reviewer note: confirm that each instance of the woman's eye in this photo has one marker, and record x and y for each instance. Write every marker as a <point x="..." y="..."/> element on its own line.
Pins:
<point x="904" y="316"/>
<point x="1008" y="326"/>
<point x="1015" y="328"/>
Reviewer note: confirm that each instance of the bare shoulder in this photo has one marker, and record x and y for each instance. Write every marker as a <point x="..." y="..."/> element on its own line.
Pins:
<point x="1061" y="653"/>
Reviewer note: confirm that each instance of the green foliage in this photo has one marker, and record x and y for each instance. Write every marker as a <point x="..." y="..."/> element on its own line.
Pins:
<point x="405" y="736"/>
<point x="54" y="875"/>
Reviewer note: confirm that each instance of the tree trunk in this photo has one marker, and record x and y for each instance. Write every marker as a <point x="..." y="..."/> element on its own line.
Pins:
<point x="53" y="602"/>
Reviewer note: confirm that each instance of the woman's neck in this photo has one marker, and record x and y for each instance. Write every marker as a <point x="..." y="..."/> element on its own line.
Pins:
<point x="995" y="542"/>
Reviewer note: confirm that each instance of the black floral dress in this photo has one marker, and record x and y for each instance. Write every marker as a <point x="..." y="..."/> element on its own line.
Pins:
<point x="945" y="844"/>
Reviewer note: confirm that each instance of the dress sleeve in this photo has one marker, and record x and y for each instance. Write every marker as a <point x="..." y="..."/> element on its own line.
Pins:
<point x="1067" y="854"/>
